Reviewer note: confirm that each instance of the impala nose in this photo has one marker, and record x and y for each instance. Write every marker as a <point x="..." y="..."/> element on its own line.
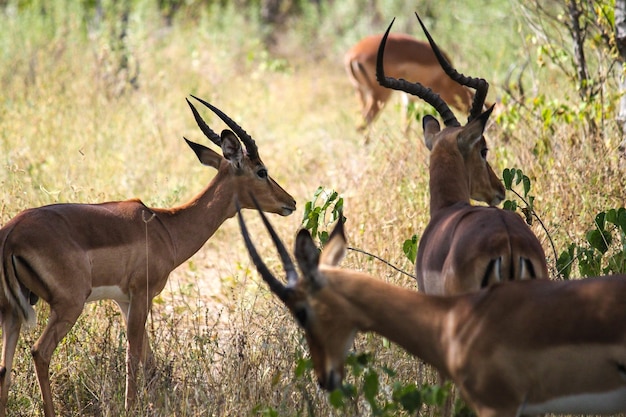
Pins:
<point x="497" y="199"/>
<point x="288" y="209"/>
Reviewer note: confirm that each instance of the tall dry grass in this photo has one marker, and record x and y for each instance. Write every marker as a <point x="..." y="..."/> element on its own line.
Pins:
<point x="224" y="346"/>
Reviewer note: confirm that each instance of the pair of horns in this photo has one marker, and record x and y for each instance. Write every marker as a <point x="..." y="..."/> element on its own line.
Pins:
<point x="479" y="84"/>
<point x="247" y="140"/>
<point x="277" y="287"/>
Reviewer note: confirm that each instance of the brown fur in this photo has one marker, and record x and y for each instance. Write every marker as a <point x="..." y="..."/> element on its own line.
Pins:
<point x="510" y="348"/>
<point x="405" y="57"/>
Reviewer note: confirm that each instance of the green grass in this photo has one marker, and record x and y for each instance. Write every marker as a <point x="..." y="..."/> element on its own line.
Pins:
<point x="223" y="344"/>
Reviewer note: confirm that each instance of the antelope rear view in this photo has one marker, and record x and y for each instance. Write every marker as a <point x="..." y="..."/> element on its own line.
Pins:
<point x="465" y="247"/>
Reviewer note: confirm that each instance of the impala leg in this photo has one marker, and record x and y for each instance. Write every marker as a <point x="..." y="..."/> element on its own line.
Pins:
<point x="364" y="99"/>
<point x="59" y="324"/>
<point x="11" y="325"/>
<point x="147" y="357"/>
<point x="372" y="108"/>
<point x="137" y="345"/>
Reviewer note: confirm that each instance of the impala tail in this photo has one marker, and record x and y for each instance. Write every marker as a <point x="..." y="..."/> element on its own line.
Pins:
<point x="14" y="296"/>
<point x="358" y="74"/>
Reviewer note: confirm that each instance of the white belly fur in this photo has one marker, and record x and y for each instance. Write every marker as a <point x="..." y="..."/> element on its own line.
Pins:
<point x="609" y="402"/>
<point x="109" y="292"/>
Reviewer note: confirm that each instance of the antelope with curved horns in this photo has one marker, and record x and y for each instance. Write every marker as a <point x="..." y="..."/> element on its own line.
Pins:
<point x="521" y="348"/>
<point x="465" y="247"/>
<point x="407" y="58"/>
<point x="71" y="254"/>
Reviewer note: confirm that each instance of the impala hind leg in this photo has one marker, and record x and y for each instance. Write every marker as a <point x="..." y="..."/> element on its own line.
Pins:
<point x="11" y="325"/>
<point x="61" y="320"/>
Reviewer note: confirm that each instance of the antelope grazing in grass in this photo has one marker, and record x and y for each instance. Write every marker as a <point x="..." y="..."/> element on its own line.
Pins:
<point x="71" y="254"/>
<point x="465" y="247"/>
<point x="406" y="58"/>
<point x="521" y="348"/>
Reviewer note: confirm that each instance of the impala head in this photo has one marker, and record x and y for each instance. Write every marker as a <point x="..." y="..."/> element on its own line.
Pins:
<point x="453" y="141"/>
<point x="321" y="313"/>
<point x="466" y="143"/>
<point x="247" y="171"/>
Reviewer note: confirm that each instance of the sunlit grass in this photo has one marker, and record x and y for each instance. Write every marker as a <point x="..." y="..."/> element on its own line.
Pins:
<point x="222" y="343"/>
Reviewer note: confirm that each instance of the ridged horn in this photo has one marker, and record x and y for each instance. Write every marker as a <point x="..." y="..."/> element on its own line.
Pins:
<point x="275" y="285"/>
<point x="208" y="132"/>
<point x="251" y="148"/>
<point x="416" y="89"/>
<point x="479" y="84"/>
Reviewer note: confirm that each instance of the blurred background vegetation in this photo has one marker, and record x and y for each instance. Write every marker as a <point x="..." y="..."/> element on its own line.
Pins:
<point x="92" y="109"/>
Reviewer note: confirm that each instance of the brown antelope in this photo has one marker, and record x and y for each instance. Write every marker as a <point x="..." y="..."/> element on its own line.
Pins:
<point x="406" y="58"/>
<point x="71" y="254"/>
<point x="526" y="347"/>
<point x="465" y="247"/>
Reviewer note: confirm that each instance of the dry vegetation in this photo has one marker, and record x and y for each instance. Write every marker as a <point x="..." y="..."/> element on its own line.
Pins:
<point x="223" y="344"/>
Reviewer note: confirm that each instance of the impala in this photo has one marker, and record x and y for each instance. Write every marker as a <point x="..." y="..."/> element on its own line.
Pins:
<point x="70" y="254"/>
<point x="406" y="58"/>
<point x="526" y="347"/>
<point x="465" y="247"/>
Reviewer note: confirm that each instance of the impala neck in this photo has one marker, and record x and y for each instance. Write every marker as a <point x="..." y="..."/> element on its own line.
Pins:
<point x="193" y="223"/>
<point x="448" y="185"/>
<point x="412" y="320"/>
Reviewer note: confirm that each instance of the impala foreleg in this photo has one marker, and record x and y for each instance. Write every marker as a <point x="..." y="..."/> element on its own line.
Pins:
<point x="147" y="357"/>
<point x="138" y="346"/>
<point x="59" y="324"/>
<point x="11" y="325"/>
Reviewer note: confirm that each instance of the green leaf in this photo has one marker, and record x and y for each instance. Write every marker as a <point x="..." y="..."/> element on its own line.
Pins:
<point x="526" y="181"/>
<point x="600" y="220"/>
<point x="519" y="175"/>
<point x="323" y="237"/>
<point x="599" y="239"/>
<point x="564" y="263"/>
<point x="507" y="177"/>
<point x="611" y="216"/>
<point x="303" y="365"/>
<point x="370" y="387"/>
<point x="388" y="371"/>
<point x="621" y="219"/>
<point x="409" y="397"/>
<point x="335" y="398"/>
<point x="409" y="247"/>
<point x="510" y="205"/>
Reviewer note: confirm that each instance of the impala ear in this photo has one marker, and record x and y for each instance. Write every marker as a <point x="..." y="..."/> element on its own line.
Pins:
<point x="206" y="156"/>
<point x="335" y="249"/>
<point x="431" y="128"/>
<point x="308" y="257"/>
<point x="473" y="131"/>
<point x="231" y="148"/>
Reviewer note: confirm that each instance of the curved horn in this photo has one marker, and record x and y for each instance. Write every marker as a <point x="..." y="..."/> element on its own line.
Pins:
<point x="275" y="285"/>
<point x="208" y="132"/>
<point x="479" y="84"/>
<point x="416" y="89"/>
<point x="290" y="269"/>
<point x="247" y="140"/>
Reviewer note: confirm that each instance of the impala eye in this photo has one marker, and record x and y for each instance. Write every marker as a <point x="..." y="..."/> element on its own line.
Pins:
<point x="262" y="173"/>
<point x="483" y="153"/>
<point x="301" y="316"/>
